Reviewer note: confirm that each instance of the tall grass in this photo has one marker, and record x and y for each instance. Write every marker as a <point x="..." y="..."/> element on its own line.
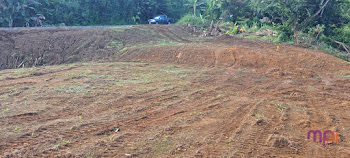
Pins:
<point x="191" y="19"/>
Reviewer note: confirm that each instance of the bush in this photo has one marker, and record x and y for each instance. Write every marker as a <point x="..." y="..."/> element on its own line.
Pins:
<point x="190" y="19"/>
<point x="225" y="26"/>
<point x="233" y="31"/>
<point x="285" y="32"/>
<point x="331" y="50"/>
<point x="343" y="34"/>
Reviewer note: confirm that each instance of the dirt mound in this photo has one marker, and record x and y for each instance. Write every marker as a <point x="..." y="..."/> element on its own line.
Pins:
<point x="156" y="43"/>
<point x="284" y="61"/>
<point x="27" y="48"/>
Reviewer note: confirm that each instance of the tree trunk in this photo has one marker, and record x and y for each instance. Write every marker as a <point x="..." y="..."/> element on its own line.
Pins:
<point x="194" y="8"/>
<point x="296" y="35"/>
<point x="11" y="22"/>
<point x="211" y="27"/>
<point x="305" y="22"/>
<point x="194" y="11"/>
<point x="296" y="31"/>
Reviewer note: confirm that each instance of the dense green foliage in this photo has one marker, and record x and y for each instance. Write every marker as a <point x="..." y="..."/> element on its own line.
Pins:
<point x="313" y="23"/>
<point x="19" y="13"/>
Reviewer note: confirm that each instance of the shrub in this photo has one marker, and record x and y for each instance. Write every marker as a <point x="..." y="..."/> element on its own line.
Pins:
<point x="343" y="34"/>
<point x="190" y="19"/>
<point x="331" y="50"/>
<point x="232" y="31"/>
<point x="285" y="32"/>
<point x="228" y="25"/>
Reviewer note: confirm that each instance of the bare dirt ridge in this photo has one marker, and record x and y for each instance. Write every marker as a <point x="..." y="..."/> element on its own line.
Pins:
<point x="167" y="93"/>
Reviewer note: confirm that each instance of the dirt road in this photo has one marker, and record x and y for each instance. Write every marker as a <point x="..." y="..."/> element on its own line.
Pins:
<point x="170" y="94"/>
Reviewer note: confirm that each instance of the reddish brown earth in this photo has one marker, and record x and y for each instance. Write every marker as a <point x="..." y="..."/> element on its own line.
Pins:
<point x="174" y="95"/>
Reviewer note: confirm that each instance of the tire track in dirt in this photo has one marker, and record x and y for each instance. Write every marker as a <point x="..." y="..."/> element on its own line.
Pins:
<point x="332" y="114"/>
<point x="235" y="127"/>
<point x="318" y="114"/>
<point x="38" y="116"/>
<point x="157" y="117"/>
<point x="176" y="36"/>
<point x="147" y="119"/>
<point x="131" y="123"/>
<point x="52" y="133"/>
<point x="164" y="31"/>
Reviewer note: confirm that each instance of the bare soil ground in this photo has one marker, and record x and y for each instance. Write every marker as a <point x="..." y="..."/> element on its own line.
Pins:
<point x="166" y="93"/>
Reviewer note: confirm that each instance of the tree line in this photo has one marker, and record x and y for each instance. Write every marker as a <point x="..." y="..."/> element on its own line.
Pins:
<point x="22" y="13"/>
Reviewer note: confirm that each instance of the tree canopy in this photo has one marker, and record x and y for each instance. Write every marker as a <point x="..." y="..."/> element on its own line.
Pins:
<point x="20" y="13"/>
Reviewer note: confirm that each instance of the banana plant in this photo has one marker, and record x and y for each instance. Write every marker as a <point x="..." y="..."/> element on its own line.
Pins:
<point x="211" y="11"/>
<point x="195" y="7"/>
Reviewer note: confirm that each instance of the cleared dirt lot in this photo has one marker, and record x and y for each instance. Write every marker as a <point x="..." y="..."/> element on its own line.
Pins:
<point x="174" y="95"/>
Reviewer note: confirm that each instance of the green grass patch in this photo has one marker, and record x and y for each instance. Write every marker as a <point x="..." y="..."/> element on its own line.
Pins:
<point x="126" y="82"/>
<point x="6" y="110"/>
<point x="329" y="49"/>
<point x="190" y="19"/>
<point x="90" y="155"/>
<point x="170" y="74"/>
<point x="115" y="45"/>
<point x="260" y="116"/>
<point x="346" y="76"/>
<point x="166" y="42"/>
<point x="280" y="108"/>
<point x="119" y="29"/>
<point x="22" y="70"/>
<point x="95" y="76"/>
<point x="157" y="43"/>
<point x="263" y="38"/>
<point x="27" y="72"/>
<point x="124" y="49"/>
<point x="72" y="88"/>
<point x="171" y="69"/>
<point x="159" y="103"/>
<point x="163" y="42"/>
<point x="17" y="128"/>
<point x="62" y="142"/>
<point x="138" y="79"/>
<point x="148" y="30"/>
<point x="164" y="145"/>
